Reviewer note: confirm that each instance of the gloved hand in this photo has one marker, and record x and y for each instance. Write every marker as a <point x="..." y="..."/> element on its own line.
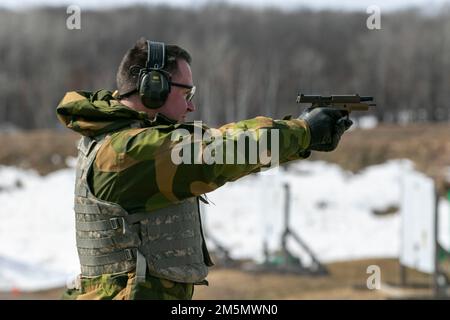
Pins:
<point x="326" y="126"/>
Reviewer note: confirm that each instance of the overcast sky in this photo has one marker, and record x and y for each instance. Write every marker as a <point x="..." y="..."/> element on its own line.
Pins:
<point x="284" y="4"/>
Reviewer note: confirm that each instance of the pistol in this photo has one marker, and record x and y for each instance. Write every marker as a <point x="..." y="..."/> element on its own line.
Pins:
<point x="348" y="102"/>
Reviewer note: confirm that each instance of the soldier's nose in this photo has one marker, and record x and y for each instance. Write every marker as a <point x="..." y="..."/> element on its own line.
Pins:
<point x="191" y="106"/>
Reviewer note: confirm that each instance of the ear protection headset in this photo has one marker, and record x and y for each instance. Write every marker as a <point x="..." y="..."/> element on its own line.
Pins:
<point x="154" y="83"/>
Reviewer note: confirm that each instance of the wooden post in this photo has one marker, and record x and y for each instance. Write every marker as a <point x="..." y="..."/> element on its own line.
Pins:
<point x="436" y="286"/>
<point x="403" y="274"/>
<point x="287" y="201"/>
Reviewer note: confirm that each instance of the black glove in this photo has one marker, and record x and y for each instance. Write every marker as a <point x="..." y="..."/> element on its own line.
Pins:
<point x="326" y="126"/>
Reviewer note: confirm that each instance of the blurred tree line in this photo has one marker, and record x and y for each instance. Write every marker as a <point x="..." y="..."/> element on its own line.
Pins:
<point x="245" y="62"/>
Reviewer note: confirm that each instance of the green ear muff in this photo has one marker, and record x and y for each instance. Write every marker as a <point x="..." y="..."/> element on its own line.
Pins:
<point x="153" y="82"/>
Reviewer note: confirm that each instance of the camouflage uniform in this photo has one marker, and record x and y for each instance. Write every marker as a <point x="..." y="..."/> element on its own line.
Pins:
<point x="133" y="168"/>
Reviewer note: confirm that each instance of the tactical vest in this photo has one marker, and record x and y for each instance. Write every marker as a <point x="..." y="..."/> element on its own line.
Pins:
<point x="168" y="243"/>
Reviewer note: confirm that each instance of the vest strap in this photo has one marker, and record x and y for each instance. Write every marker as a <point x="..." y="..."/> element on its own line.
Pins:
<point x="113" y="223"/>
<point x="110" y="258"/>
<point x="141" y="267"/>
<point x="95" y="243"/>
<point x="87" y="208"/>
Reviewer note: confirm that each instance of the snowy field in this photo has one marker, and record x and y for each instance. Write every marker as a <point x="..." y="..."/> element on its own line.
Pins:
<point x="331" y="209"/>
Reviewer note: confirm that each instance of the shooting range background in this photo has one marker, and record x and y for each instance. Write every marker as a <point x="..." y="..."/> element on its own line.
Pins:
<point x="341" y="215"/>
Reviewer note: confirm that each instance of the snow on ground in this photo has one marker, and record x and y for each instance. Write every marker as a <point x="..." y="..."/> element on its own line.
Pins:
<point x="330" y="209"/>
<point x="37" y="233"/>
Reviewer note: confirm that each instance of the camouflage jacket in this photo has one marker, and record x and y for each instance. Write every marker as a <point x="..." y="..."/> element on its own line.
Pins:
<point x="134" y="166"/>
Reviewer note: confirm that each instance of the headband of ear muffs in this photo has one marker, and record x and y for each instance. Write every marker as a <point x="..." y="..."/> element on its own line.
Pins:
<point x="153" y="82"/>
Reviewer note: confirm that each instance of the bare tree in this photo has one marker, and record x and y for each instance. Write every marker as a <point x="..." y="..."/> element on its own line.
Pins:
<point x="246" y="62"/>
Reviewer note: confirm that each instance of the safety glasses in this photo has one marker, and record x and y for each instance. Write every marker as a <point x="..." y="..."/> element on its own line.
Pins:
<point x="190" y="94"/>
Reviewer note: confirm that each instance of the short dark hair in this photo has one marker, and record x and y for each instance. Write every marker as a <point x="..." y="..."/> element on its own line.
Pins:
<point x="127" y="78"/>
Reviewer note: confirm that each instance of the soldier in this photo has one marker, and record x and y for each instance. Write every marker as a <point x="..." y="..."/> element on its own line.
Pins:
<point x="138" y="228"/>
